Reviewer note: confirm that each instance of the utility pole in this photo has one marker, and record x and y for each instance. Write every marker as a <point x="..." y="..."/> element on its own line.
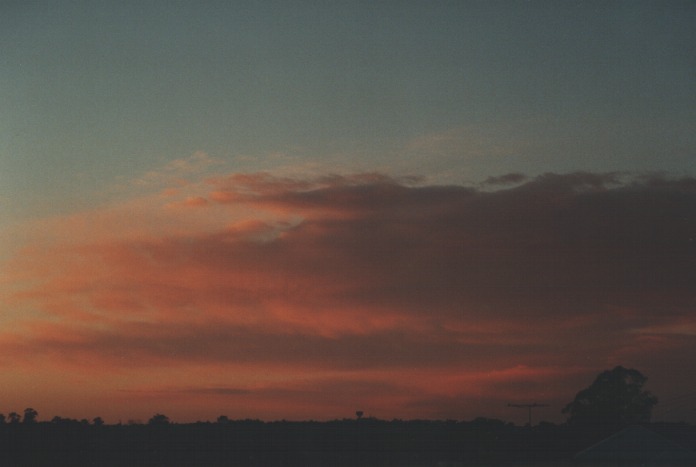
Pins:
<point x="529" y="407"/>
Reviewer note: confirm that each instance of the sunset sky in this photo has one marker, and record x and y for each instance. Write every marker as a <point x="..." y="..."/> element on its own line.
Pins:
<point x="297" y="210"/>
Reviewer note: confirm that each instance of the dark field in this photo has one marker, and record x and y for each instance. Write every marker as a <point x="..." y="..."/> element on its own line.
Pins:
<point x="366" y="442"/>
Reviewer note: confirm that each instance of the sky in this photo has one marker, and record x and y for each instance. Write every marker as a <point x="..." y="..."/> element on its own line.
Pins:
<point x="297" y="210"/>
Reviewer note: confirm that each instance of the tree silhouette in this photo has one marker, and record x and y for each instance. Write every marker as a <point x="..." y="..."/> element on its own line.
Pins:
<point x="159" y="419"/>
<point x="13" y="417"/>
<point x="97" y="421"/>
<point x="614" y="400"/>
<point x="30" y="415"/>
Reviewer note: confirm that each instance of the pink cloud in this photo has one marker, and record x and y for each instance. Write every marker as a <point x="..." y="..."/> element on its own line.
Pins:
<point x="450" y="293"/>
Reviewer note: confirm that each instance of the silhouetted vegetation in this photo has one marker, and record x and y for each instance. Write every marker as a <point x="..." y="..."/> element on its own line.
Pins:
<point x="360" y="441"/>
<point x="159" y="419"/>
<point x="615" y="400"/>
<point x="30" y="415"/>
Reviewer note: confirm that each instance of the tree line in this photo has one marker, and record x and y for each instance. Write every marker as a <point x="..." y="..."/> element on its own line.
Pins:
<point x="615" y="399"/>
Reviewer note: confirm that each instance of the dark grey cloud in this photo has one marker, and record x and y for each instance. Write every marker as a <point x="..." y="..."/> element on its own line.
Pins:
<point x="507" y="179"/>
<point x="579" y="242"/>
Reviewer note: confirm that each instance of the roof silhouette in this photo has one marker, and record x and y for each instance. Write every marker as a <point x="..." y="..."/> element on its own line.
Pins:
<point x="637" y="443"/>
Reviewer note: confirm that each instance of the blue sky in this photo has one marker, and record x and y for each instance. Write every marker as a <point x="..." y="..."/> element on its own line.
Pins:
<point x="455" y="91"/>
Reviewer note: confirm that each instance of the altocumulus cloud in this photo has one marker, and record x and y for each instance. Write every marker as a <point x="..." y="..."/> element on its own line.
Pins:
<point x="366" y="281"/>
